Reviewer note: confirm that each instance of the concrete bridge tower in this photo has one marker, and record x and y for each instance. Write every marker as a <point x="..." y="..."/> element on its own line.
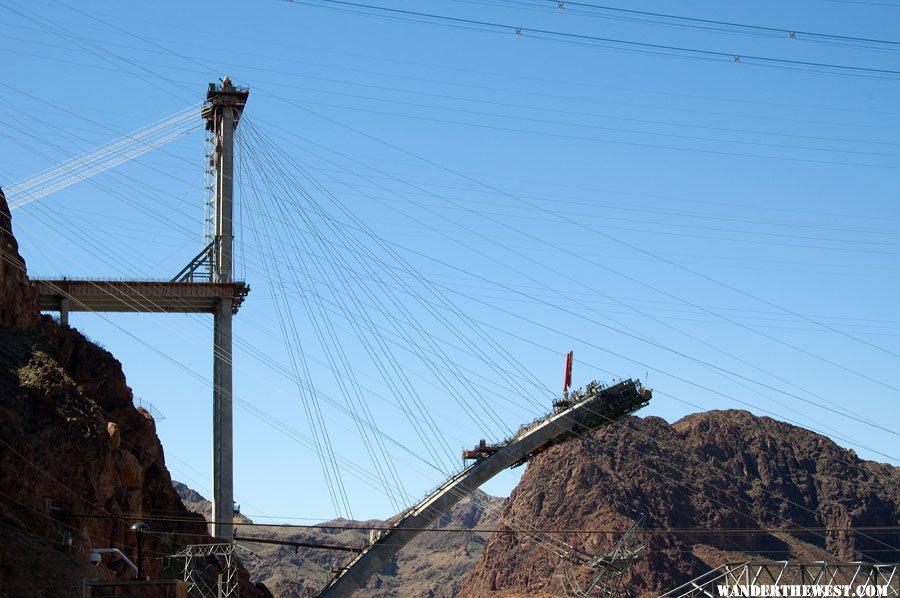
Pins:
<point x="205" y="285"/>
<point x="222" y="111"/>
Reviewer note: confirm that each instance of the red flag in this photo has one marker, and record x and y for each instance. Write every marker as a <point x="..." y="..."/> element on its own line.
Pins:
<point x="568" y="379"/>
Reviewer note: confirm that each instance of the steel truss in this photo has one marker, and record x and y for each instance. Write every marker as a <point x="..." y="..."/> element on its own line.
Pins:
<point x="787" y="573"/>
<point x="210" y="569"/>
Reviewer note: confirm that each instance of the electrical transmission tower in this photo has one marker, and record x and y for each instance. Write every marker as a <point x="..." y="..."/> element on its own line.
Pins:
<point x="210" y="569"/>
<point x="610" y="567"/>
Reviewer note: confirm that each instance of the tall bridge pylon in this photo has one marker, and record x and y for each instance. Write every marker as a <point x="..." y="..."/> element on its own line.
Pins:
<point x="205" y="285"/>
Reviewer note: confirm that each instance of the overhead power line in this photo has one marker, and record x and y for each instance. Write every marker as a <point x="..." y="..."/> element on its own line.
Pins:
<point x="503" y="529"/>
<point x="747" y="27"/>
<point x="578" y="37"/>
<point x="295" y="544"/>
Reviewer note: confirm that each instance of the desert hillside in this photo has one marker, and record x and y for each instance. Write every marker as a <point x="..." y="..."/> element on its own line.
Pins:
<point x="713" y="471"/>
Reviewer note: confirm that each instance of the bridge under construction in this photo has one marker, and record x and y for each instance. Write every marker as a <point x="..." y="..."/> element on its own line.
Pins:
<point x="207" y="284"/>
<point x="573" y="417"/>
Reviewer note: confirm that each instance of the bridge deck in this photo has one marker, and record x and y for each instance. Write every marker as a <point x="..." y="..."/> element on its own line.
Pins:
<point x="602" y="407"/>
<point x="138" y="295"/>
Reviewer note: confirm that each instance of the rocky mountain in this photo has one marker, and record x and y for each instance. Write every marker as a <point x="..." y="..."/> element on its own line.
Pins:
<point x="78" y="462"/>
<point x="720" y="470"/>
<point x="196" y="503"/>
<point x="433" y="565"/>
<point x="192" y="499"/>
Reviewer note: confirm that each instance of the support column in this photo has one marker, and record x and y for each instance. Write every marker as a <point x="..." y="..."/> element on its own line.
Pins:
<point x="223" y="447"/>
<point x="64" y="311"/>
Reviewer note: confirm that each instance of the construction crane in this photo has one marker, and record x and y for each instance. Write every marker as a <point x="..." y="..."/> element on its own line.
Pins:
<point x="583" y="412"/>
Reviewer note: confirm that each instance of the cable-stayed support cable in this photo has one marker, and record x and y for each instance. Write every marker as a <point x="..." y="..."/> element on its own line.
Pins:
<point x="393" y="264"/>
<point x="338" y="362"/>
<point x="103" y="157"/>
<point x="296" y="226"/>
<point x="321" y="438"/>
<point x="366" y="331"/>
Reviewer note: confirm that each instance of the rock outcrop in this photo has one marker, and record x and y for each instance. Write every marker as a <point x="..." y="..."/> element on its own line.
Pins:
<point x="709" y="472"/>
<point x="18" y="303"/>
<point x="78" y="462"/>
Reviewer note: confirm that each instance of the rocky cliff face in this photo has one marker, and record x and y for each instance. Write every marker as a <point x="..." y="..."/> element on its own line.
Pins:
<point x="18" y="304"/>
<point x="707" y="472"/>
<point x="433" y="565"/>
<point x="78" y="462"/>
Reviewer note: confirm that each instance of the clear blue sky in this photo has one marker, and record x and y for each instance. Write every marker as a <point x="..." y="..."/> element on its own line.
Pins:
<point x="728" y="228"/>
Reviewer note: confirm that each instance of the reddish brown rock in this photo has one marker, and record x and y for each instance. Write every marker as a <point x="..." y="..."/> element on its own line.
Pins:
<point x="78" y="462"/>
<point x="18" y="303"/>
<point x="718" y="470"/>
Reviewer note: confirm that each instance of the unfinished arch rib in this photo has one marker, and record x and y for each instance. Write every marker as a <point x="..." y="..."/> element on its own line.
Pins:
<point x="598" y="407"/>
